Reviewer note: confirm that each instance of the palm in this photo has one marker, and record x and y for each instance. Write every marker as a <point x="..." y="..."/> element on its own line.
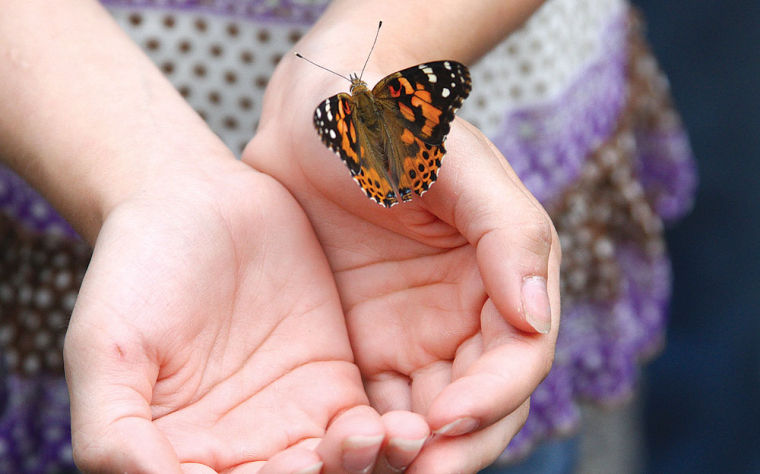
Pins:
<point x="230" y="339"/>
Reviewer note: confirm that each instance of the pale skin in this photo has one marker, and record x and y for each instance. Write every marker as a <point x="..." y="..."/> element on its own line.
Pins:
<point x="263" y="316"/>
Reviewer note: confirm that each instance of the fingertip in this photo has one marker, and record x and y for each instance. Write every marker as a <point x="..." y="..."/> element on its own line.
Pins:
<point x="406" y="434"/>
<point x="535" y="304"/>
<point x="352" y="441"/>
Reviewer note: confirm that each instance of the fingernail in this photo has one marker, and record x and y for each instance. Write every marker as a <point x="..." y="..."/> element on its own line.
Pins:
<point x="359" y="452"/>
<point x="535" y="303"/>
<point x="408" y="447"/>
<point x="313" y="469"/>
<point x="458" y="427"/>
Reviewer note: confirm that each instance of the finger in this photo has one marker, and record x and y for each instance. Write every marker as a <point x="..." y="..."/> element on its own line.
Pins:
<point x="195" y="468"/>
<point x="294" y="460"/>
<point x="512" y="234"/>
<point x="427" y="384"/>
<point x="388" y="391"/>
<point x="497" y="382"/>
<point x="472" y="452"/>
<point x="406" y="432"/>
<point x="352" y="441"/>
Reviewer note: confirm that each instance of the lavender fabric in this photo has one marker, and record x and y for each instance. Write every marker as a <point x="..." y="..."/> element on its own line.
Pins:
<point x="281" y="11"/>
<point x="548" y="144"/>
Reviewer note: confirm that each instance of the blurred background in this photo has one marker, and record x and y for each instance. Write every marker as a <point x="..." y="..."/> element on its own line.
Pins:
<point x="701" y="397"/>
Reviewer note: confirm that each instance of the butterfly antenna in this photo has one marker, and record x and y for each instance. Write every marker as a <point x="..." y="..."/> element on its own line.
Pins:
<point x="322" y="67"/>
<point x="371" y="49"/>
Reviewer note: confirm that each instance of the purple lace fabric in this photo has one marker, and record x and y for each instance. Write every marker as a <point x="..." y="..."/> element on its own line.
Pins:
<point x="21" y="202"/>
<point x="35" y="431"/>
<point x="267" y="11"/>
<point x="607" y="157"/>
<point x="609" y="153"/>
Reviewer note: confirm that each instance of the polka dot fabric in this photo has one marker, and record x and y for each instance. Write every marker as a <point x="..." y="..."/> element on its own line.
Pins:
<point x="219" y="64"/>
<point x="575" y="102"/>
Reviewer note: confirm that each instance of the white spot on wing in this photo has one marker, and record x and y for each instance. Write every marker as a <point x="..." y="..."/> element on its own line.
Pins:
<point x="445" y="92"/>
<point x="432" y="78"/>
<point x="332" y="134"/>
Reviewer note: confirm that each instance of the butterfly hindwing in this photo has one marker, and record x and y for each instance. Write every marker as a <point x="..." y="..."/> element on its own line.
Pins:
<point x="424" y="98"/>
<point x="420" y="166"/>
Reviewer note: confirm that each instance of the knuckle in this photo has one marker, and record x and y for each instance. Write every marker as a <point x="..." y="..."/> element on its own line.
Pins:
<point x="538" y="232"/>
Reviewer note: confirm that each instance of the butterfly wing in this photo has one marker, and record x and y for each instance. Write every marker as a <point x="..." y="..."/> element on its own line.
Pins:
<point x="425" y="97"/>
<point x="335" y="123"/>
<point x="418" y="105"/>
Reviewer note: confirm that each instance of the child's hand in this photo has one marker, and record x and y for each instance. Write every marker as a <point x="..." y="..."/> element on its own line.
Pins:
<point x="208" y="336"/>
<point x="445" y="296"/>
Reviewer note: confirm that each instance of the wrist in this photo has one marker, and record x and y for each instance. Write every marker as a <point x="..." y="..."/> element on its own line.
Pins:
<point x="85" y="117"/>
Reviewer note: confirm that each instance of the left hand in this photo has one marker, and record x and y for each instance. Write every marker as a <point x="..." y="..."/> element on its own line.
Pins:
<point x="443" y="296"/>
<point x="208" y="336"/>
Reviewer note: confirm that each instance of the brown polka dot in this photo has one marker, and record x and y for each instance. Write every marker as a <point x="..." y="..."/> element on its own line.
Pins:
<point x="230" y="123"/>
<point x="230" y="77"/>
<point x="515" y="92"/>
<point x="276" y="58"/>
<point x="263" y="36"/>
<point x="199" y="70"/>
<point x="232" y="29"/>
<point x="245" y="103"/>
<point x="135" y="19"/>
<point x="513" y="49"/>
<point x="246" y="56"/>
<point x="202" y="113"/>
<point x="214" y="97"/>
<point x="216" y="50"/>
<point x="261" y="81"/>
<point x="200" y="25"/>
<point x="185" y="46"/>
<point x="152" y="44"/>
<point x="169" y="21"/>
<point x="167" y="67"/>
<point x="184" y="91"/>
<point x="294" y="36"/>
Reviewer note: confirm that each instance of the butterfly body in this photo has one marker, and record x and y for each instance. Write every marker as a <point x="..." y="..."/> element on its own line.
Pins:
<point x="391" y="137"/>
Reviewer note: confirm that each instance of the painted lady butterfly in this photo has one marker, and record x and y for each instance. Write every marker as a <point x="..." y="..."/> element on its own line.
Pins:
<point x="391" y="138"/>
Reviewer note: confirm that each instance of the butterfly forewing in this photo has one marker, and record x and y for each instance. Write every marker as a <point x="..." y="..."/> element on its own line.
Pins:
<point x="336" y="128"/>
<point x="425" y="97"/>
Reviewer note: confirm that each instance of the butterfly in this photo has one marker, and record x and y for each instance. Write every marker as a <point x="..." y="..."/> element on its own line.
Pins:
<point x="391" y="137"/>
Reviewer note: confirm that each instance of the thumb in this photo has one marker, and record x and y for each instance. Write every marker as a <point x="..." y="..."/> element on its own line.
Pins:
<point x="110" y="384"/>
<point x="517" y="247"/>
